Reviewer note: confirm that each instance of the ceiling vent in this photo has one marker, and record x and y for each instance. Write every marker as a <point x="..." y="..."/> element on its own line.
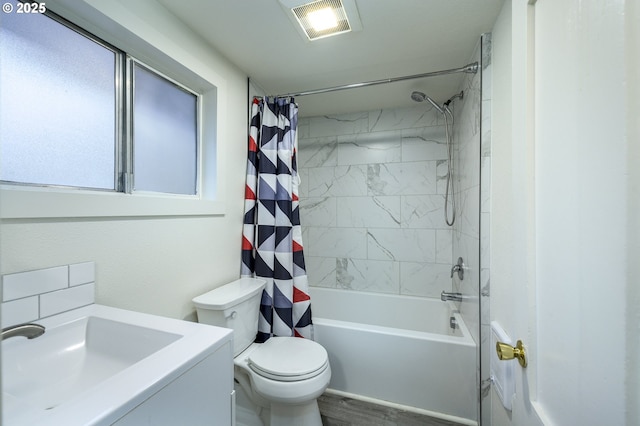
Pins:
<point x="324" y="18"/>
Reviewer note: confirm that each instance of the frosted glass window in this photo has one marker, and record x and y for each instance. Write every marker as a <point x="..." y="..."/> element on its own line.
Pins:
<point x="165" y="138"/>
<point x="58" y="103"/>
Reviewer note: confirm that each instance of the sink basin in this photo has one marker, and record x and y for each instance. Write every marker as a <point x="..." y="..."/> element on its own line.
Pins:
<point x="95" y="364"/>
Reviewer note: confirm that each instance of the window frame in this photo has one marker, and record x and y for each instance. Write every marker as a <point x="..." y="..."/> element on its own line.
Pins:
<point x="24" y="201"/>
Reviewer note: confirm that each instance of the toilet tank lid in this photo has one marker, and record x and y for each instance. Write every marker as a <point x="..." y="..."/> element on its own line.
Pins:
<point x="230" y="294"/>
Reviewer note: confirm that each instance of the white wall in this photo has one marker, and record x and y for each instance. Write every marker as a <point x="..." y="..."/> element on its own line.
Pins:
<point x="565" y="216"/>
<point x="153" y="265"/>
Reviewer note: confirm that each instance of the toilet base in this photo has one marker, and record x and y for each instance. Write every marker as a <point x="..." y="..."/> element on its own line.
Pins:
<point x="295" y="415"/>
<point x="247" y="413"/>
<point x="250" y="414"/>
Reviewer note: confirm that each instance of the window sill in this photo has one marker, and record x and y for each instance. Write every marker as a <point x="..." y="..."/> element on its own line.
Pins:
<point x="32" y="203"/>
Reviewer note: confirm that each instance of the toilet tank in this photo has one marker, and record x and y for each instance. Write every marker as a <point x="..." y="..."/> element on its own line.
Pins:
<point x="235" y="305"/>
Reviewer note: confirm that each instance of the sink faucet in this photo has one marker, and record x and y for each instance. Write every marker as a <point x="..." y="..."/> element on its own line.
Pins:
<point x="27" y="330"/>
<point x="456" y="297"/>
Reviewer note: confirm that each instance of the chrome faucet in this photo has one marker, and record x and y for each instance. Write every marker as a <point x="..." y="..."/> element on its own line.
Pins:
<point x="26" y="330"/>
<point x="456" y="297"/>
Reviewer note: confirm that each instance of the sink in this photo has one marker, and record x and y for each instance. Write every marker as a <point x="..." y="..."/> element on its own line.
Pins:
<point x="74" y="357"/>
<point x="95" y="364"/>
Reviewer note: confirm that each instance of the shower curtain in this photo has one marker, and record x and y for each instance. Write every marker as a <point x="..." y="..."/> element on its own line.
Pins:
<point x="272" y="237"/>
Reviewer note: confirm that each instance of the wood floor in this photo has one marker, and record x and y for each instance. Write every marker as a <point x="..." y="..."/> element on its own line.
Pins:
<point x="341" y="411"/>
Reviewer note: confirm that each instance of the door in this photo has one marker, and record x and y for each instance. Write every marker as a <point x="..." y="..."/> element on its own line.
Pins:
<point x="559" y="264"/>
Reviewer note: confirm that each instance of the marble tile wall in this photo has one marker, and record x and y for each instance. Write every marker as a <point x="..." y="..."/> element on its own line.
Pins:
<point x="372" y="199"/>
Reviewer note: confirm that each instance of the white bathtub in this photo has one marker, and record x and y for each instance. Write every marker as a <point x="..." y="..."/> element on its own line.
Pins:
<point x="398" y="350"/>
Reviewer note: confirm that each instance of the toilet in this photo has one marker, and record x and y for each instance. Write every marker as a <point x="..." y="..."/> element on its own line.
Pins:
<point x="282" y="377"/>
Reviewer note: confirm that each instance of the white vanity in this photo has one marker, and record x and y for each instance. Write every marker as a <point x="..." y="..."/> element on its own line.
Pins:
<point x="99" y="365"/>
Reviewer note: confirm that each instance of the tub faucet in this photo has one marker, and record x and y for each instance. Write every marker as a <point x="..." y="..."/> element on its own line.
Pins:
<point x="27" y="330"/>
<point x="456" y="297"/>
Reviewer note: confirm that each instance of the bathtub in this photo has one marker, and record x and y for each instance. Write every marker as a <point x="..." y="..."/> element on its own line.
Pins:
<point x="398" y="350"/>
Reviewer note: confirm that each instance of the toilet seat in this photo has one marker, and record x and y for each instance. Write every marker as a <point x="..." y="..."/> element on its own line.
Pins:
<point x="288" y="359"/>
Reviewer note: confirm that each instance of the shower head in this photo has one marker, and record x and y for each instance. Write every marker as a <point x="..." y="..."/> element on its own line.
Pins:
<point x="421" y="97"/>
<point x="418" y="96"/>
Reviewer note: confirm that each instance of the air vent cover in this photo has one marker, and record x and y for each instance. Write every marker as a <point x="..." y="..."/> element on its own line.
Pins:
<point x="322" y="18"/>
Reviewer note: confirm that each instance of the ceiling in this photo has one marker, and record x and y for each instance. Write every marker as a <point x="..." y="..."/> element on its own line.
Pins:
<point x="398" y="38"/>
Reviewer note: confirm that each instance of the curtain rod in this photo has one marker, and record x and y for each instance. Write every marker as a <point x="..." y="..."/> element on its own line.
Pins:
<point x="469" y="68"/>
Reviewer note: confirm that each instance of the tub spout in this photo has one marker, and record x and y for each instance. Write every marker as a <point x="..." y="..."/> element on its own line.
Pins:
<point x="27" y="330"/>
<point x="456" y="297"/>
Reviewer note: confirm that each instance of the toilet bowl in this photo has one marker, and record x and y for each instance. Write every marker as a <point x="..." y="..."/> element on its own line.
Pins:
<point x="282" y="377"/>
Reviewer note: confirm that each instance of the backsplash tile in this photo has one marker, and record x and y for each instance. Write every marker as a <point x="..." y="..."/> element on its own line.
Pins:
<point x="67" y="299"/>
<point x="82" y="273"/>
<point x="31" y="283"/>
<point x="33" y="295"/>
<point x="19" y="311"/>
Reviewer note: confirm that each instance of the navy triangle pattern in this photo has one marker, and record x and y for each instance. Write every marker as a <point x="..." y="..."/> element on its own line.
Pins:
<point x="272" y="238"/>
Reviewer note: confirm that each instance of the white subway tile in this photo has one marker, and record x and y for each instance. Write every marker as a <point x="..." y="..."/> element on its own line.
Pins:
<point x="82" y="273"/>
<point x="19" y="311"/>
<point x="65" y="300"/>
<point x="24" y="284"/>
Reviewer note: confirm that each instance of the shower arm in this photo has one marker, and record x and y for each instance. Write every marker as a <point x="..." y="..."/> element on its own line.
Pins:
<point x="469" y="68"/>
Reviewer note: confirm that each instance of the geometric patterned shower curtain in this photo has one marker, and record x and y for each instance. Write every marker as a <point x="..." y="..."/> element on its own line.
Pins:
<point x="272" y="237"/>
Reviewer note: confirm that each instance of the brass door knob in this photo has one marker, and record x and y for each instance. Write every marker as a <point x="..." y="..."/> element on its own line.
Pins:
<point x="507" y="352"/>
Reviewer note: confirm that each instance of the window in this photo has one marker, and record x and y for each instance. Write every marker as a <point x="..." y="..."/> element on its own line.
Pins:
<point x="81" y="116"/>
<point x="165" y="137"/>
<point x="58" y="105"/>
